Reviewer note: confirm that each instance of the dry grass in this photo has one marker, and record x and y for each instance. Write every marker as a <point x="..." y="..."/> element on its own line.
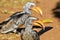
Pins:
<point x="10" y="36"/>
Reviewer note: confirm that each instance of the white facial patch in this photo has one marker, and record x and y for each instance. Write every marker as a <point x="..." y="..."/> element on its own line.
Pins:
<point x="27" y="6"/>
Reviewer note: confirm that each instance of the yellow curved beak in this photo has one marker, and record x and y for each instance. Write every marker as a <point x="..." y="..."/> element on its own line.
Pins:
<point x="38" y="23"/>
<point x="37" y="9"/>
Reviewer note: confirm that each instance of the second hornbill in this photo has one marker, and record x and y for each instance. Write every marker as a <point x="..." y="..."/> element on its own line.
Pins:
<point x="28" y="33"/>
<point x="18" y="18"/>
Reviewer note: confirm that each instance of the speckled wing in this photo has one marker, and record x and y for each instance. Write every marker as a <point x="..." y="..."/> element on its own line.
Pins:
<point x="13" y="16"/>
<point x="14" y="23"/>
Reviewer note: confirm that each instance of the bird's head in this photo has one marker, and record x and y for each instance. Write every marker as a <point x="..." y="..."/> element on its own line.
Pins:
<point x="30" y="6"/>
<point x="36" y="22"/>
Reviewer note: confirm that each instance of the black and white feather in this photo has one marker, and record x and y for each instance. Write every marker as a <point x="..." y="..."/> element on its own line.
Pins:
<point x="29" y="33"/>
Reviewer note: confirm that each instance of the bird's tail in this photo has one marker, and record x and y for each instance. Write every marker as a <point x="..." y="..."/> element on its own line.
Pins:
<point x="4" y="22"/>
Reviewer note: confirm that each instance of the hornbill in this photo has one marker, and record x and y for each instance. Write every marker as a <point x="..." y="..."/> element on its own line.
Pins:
<point x="18" y="18"/>
<point x="29" y="33"/>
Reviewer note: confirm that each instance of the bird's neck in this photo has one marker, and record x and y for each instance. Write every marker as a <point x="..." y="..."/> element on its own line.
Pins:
<point x="27" y="11"/>
<point x="28" y="28"/>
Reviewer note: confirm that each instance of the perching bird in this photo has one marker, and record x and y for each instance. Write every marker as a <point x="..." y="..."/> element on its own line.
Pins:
<point x="18" y="18"/>
<point x="29" y="33"/>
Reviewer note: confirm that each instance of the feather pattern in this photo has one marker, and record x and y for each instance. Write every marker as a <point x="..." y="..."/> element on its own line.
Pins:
<point x="29" y="33"/>
<point x="14" y="23"/>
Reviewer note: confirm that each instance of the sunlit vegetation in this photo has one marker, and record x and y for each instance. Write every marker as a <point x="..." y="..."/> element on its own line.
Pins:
<point x="6" y="6"/>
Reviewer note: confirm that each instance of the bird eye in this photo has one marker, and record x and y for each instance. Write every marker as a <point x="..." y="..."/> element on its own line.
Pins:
<point x="32" y="5"/>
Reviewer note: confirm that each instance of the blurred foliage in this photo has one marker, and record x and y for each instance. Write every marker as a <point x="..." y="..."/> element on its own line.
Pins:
<point x="24" y="1"/>
<point x="15" y="4"/>
<point x="9" y="37"/>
